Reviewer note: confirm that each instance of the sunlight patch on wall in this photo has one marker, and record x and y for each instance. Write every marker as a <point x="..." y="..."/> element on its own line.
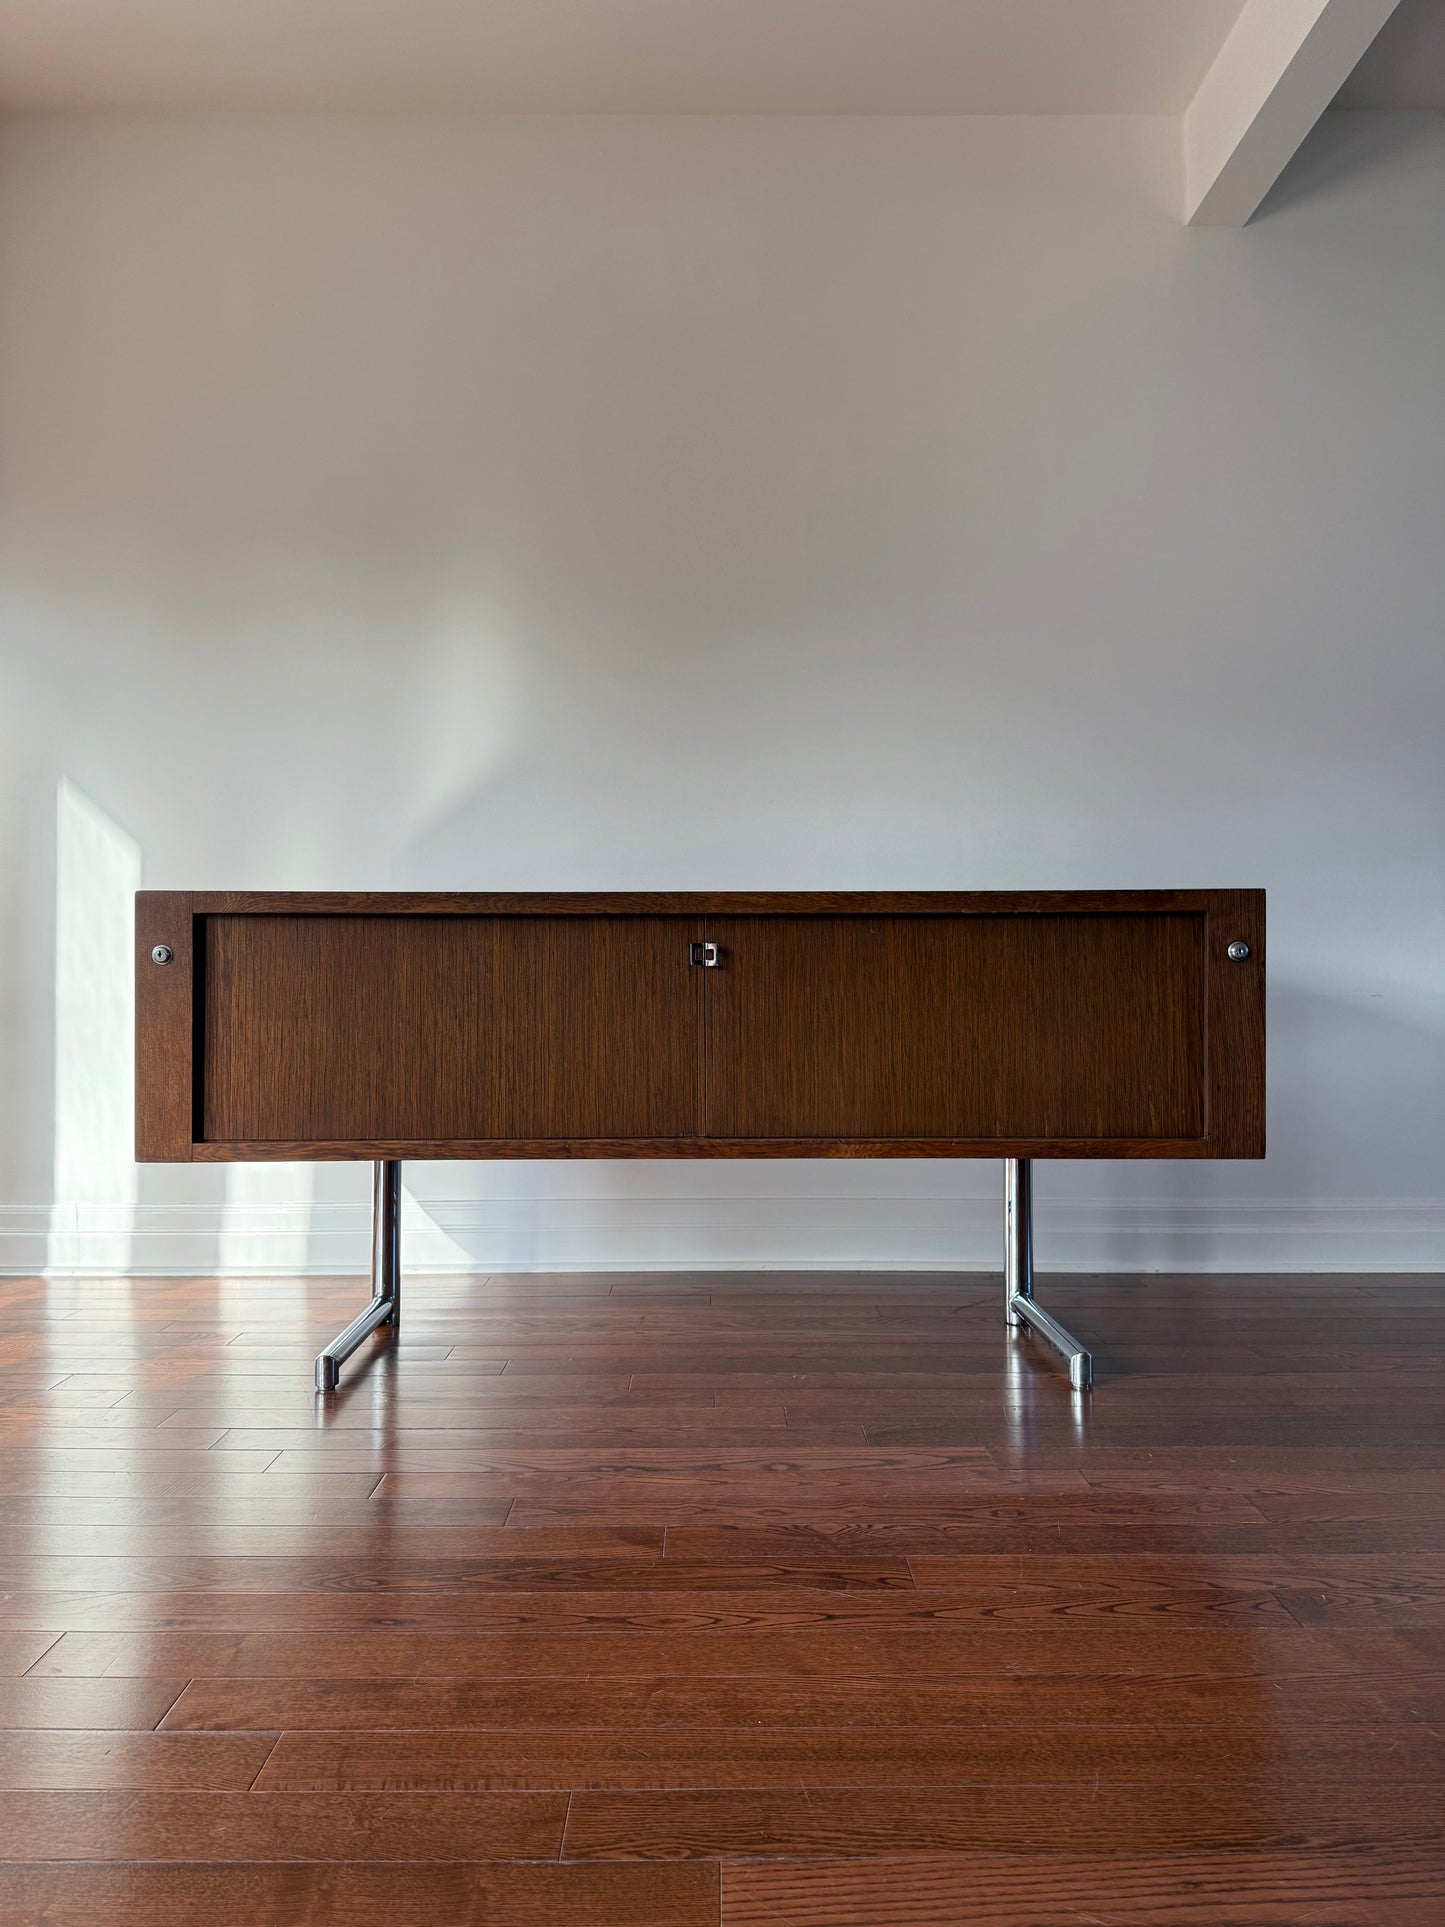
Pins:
<point x="97" y="873"/>
<point x="425" y="1241"/>
<point x="266" y="1223"/>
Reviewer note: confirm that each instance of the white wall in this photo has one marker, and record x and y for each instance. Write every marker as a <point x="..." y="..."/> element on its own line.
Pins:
<point x="731" y="504"/>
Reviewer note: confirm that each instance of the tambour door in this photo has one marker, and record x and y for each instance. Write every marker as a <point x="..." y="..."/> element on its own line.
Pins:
<point x="1067" y="1027"/>
<point x="320" y="1029"/>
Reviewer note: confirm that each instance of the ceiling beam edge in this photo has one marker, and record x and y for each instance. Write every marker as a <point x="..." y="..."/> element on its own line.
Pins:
<point x="1281" y="65"/>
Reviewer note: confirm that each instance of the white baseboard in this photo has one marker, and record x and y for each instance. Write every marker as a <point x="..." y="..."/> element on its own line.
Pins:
<point x="711" y="1234"/>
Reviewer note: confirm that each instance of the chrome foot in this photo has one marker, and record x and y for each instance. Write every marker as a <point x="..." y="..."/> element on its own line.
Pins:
<point x="1081" y="1363"/>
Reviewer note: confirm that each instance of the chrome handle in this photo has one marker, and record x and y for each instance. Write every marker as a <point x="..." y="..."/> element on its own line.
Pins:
<point x="707" y="955"/>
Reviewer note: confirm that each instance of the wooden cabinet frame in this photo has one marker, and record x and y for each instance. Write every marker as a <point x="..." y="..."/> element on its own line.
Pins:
<point x="170" y="1007"/>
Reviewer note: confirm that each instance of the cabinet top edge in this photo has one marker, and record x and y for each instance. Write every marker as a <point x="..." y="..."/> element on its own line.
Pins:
<point x="693" y="903"/>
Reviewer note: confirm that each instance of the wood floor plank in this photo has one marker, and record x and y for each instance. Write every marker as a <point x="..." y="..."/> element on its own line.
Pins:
<point x="1420" y="1573"/>
<point x="1020" y="1818"/>
<point x="269" y="1508"/>
<point x="1387" y="1428"/>
<point x="950" y="1514"/>
<point x="703" y="1464"/>
<point x="225" y="1761"/>
<point x="653" y="1431"/>
<point x="477" y="1441"/>
<point x="293" y="1409"/>
<point x="52" y="1612"/>
<point x="408" y="1573"/>
<point x="1338" y="1466"/>
<point x="19" y="1651"/>
<point x="115" y="1460"/>
<point x="1105" y="1648"/>
<point x="1203" y="1756"/>
<point x="1385" y="1508"/>
<point x="650" y="1502"/>
<point x="1202" y="1544"/>
<point x="119" y="1705"/>
<point x="1282" y="1887"/>
<point x="355" y="1534"/>
<point x="134" y="1420"/>
<point x="415" y="1894"/>
<point x="149" y="1824"/>
<point x="154" y="1482"/>
<point x="1381" y="1602"/>
<point x="891" y="1701"/>
<point x="895" y="1609"/>
<point x="720" y="1429"/>
<point x="62" y="1397"/>
<point x="18" y="1427"/>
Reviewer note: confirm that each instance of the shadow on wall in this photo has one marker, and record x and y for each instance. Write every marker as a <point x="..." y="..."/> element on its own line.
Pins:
<point x="1322" y="1198"/>
<point x="1342" y="146"/>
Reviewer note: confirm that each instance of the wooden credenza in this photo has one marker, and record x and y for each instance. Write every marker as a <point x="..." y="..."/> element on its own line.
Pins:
<point x="914" y="1025"/>
<point x="1008" y="1025"/>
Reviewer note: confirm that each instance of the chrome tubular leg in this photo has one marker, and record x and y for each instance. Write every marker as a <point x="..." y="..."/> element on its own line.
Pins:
<point x="1018" y="1274"/>
<point x="1018" y="1235"/>
<point x="386" y="1236"/>
<point x="385" y="1306"/>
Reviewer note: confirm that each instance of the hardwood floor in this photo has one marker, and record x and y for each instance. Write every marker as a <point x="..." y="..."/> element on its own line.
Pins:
<point x="773" y="1600"/>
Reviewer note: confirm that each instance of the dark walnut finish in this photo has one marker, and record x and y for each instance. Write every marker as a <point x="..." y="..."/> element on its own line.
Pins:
<point x="396" y="1029"/>
<point x="854" y="1025"/>
<point x="769" y="1600"/>
<point x="1022" y="1027"/>
<point x="165" y="1027"/>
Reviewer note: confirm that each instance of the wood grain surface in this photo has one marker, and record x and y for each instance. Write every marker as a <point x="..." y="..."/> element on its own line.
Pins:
<point x="931" y="1027"/>
<point x="622" y="1600"/>
<point x="916" y="1024"/>
<point x="454" y="1027"/>
<point x="165" y="1028"/>
<point x="1336" y="1887"/>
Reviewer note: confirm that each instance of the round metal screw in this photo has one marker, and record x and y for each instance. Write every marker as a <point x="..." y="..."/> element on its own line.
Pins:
<point x="162" y="953"/>
<point x="1237" y="951"/>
